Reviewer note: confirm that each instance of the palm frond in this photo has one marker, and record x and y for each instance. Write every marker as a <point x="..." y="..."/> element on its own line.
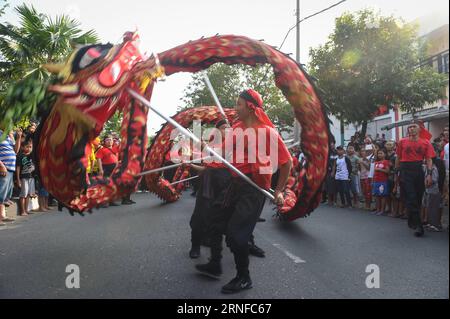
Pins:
<point x="31" y="20"/>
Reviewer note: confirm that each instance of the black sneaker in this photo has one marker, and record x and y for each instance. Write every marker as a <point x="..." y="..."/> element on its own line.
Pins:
<point x="113" y="204"/>
<point x="256" y="251"/>
<point x="211" y="269"/>
<point x="419" y="231"/>
<point x="194" y="253"/>
<point x="237" y="284"/>
<point x="127" y="202"/>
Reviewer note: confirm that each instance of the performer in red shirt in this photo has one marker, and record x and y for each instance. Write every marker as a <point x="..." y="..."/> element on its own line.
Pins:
<point x="411" y="153"/>
<point x="214" y="178"/>
<point x="243" y="203"/>
<point x="107" y="157"/>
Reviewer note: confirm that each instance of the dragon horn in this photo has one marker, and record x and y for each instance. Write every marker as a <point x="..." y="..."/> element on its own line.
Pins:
<point x="54" y="68"/>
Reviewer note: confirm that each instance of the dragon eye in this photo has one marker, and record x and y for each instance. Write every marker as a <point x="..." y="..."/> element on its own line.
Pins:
<point x="89" y="55"/>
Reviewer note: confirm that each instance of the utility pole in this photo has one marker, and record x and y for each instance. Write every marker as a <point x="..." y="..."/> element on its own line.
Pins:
<point x="296" y="123"/>
<point x="297" y="13"/>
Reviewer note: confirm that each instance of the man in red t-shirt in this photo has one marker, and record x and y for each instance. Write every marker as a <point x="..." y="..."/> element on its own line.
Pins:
<point x="107" y="157"/>
<point x="214" y="178"/>
<point x="243" y="203"/>
<point x="411" y="154"/>
<point x="107" y="160"/>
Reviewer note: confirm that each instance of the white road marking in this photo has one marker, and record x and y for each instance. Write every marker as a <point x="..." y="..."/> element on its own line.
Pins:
<point x="9" y="227"/>
<point x="294" y="258"/>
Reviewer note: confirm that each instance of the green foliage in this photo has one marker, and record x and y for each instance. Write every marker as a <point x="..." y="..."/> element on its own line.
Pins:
<point x="113" y="125"/>
<point x="38" y="39"/>
<point x="3" y="6"/>
<point x="368" y="61"/>
<point x="229" y="81"/>
<point x="226" y="81"/>
<point x="425" y="86"/>
<point x="24" y="97"/>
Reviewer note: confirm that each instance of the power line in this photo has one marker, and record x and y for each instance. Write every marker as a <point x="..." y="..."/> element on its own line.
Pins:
<point x="308" y="17"/>
<point x="289" y="31"/>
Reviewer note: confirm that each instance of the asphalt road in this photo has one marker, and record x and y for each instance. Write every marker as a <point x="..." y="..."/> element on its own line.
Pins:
<point x="141" y="251"/>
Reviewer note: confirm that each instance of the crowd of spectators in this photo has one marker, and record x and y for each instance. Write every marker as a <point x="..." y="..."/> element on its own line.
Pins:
<point x="363" y="173"/>
<point x="19" y="183"/>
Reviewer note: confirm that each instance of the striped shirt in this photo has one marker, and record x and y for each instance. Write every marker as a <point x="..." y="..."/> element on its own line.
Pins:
<point x="7" y="154"/>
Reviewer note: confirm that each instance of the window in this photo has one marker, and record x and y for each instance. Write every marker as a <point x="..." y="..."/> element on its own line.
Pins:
<point x="442" y="63"/>
<point x="445" y="60"/>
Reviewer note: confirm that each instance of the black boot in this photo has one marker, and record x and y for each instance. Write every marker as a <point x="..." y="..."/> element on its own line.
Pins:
<point x="239" y="283"/>
<point x="212" y="269"/>
<point x="419" y="231"/>
<point x="206" y="241"/>
<point x="127" y="202"/>
<point x="194" y="253"/>
<point x="256" y="251"/>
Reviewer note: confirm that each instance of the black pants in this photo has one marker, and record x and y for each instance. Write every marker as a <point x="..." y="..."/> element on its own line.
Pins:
<point x="412" y="183"/>
<point x="212" y="184"/>
<point x="197" y="222"/>
<point x="343" y="187"/>
<point x="108" y="169"/>
<point x="237" y="220"/>
<point x="195" y="182"/>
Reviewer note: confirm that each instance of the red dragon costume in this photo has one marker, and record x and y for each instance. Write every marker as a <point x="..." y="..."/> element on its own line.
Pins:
<point x="94" y="85"/>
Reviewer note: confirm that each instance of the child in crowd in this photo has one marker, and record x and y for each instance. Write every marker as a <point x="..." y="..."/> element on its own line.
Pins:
<point x="431" y="210"/>
<point x="366" y="182"/>
<point x="380" y="181"/>
<point x="391" y="200"/>
<point x="24" y="173"/>
<point x="354" y="175"/>
<point x="397" y="204"/>
<point x="341" y="171"/>
<point x="42" y="195"/>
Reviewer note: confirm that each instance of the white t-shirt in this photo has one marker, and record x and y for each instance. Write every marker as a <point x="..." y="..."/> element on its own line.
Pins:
<point x="341" y="170"/>
<point x="446" y="156"/>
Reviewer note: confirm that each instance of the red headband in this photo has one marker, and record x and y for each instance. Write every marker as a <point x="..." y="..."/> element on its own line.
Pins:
<point x="254" y="101"/>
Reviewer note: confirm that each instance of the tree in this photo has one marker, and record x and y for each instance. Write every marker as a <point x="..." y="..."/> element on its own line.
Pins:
<point x="229" y="81"/>
<point x="226" y="81"/>
<point x="38" y="39"/>
<point x="277" y="107"/>
<point x="3" y="6"/>
<point x="113" y="125"/>
<point x="370" y="60"/>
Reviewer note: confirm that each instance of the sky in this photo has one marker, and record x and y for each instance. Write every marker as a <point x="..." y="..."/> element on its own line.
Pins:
<point x="164" y="24"/>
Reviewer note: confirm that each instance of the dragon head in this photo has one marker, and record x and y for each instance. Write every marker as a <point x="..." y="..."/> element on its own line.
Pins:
<point x="93" y="84"/>
<point x="94" y="77"/>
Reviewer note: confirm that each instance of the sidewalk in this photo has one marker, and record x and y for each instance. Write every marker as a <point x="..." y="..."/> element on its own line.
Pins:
<point x="12" y="211"/>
